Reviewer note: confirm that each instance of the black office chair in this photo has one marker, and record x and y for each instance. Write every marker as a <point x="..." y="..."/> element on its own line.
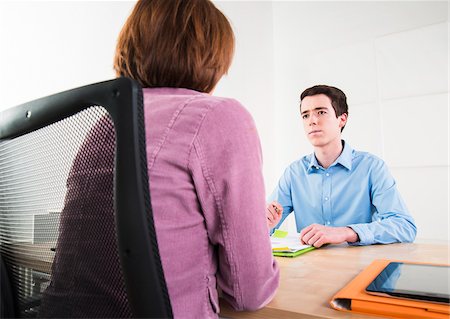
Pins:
<point x="77" y="237"/>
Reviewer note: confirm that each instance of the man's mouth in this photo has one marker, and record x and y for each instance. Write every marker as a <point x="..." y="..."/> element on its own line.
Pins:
<point x="315" y="131"/>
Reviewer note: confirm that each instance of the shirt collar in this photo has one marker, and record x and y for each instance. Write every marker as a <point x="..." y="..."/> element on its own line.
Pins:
<point x="345" y="159"/>
<point x="313" y="163"/>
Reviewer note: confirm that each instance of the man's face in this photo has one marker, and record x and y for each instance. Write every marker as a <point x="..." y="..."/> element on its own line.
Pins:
<point x="319" y="120"/>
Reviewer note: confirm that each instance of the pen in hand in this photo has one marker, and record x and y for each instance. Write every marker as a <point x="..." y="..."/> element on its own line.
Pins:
<point x="274" y="212"/>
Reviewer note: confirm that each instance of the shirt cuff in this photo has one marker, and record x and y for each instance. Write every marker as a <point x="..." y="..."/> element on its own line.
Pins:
<point x="364" y="234"/>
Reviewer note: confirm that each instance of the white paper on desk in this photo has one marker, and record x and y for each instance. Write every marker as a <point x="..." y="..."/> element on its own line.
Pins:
<point x="292" y="241"/>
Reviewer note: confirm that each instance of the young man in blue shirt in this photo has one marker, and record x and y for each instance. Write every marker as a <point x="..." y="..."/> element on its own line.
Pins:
<point x="338" y="194"/>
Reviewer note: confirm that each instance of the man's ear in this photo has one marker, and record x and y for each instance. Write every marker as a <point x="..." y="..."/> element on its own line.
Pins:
<point x="343" y="119"/>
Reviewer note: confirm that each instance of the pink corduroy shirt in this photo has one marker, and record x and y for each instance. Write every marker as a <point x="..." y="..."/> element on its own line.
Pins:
<point x="208" y="199"/>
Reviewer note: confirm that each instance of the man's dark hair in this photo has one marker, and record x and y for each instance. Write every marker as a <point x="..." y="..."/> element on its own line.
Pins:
<point x="337" y="97"/>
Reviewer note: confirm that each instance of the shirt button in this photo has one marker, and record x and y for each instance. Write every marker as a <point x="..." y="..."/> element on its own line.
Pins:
<point x="327" y="174"/>
<point x="326" y="198"/>
<point x="328" y="223"/>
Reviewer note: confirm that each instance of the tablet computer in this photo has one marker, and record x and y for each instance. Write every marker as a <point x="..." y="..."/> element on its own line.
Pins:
<point x="413" y="281"/>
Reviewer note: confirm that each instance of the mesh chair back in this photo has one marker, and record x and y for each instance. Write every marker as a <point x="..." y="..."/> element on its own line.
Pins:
<point x="76" y="227"/>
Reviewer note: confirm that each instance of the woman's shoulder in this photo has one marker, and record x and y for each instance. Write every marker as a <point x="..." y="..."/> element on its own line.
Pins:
<point x="225" y="115"/>
<point x="227" y="111"/>
<point x="195" y="99"/>
<point x="222" y="104"/>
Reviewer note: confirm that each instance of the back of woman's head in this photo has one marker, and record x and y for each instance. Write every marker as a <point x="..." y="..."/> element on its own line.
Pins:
<point x="175" y="43"/>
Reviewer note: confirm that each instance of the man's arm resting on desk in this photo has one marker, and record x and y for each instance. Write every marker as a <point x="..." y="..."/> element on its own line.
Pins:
<point x="391" y="221"/>
<point x="318" y="235"/>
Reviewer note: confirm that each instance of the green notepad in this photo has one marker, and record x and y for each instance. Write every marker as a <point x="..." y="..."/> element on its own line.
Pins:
<point x="287" y="245"/>
<point x="292" y="254"/>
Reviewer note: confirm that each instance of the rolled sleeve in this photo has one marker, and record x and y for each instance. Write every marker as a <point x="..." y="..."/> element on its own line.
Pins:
<point x="391" y="221"/>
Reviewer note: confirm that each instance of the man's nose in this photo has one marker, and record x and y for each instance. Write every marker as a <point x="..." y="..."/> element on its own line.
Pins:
<point x="312" y="119"/>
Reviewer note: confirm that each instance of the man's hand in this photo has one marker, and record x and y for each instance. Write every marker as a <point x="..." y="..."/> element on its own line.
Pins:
<point x="274" y="212"/>
<point x="318" y="235"/>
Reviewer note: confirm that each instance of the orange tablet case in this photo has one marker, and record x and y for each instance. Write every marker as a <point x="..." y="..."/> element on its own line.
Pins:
<point x="353" y="297"/>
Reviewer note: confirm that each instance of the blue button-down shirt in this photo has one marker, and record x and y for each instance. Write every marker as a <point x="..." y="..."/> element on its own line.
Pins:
<point x="357" y="190"/>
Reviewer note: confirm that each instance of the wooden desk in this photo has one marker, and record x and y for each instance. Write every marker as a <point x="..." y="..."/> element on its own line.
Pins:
<point x="308" y="282"/>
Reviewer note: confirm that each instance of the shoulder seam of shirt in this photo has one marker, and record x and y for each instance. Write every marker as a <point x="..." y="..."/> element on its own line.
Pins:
<point x="211" y="103"/>
<point x="167" y="130"/>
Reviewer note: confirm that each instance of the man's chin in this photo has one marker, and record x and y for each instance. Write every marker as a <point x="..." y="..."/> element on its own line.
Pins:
<point x="316" y="142"/>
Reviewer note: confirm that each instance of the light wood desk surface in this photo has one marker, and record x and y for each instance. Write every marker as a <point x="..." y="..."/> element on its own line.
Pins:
<point x="309" y="281"/>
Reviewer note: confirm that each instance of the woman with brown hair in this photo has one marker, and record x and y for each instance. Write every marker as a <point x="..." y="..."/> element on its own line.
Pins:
<point x="204" y="159"/>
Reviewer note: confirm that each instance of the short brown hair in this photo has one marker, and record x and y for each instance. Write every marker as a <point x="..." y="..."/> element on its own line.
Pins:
<point x="337" y="97"/>
<point x="175" y="43"/>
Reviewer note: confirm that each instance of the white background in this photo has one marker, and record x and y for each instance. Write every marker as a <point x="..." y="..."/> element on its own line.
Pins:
<point x="391" y="59"/>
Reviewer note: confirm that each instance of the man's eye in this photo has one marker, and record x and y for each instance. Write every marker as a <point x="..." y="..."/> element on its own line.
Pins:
<point x="321" y="112"/>
<point x="305" y="116"/>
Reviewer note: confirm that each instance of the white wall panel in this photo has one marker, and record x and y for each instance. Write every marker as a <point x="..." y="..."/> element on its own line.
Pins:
<point x="363" y="129"/>
<point x="425" y="191"/>
<point x="416" y="131"/>
<point x="351" y="68"/>
<point x="414" y="62"/>
<point x="48" y="47"/>
<point x="314" y="26"/>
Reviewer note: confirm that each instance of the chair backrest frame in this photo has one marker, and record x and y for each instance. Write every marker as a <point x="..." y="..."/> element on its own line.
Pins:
<point x="8" y="308"/>
<point x="137" y="242"/>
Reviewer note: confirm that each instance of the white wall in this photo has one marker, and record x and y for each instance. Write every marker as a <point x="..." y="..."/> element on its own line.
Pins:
<point x="47" y="47"/>
<point x="391" y="58"/>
